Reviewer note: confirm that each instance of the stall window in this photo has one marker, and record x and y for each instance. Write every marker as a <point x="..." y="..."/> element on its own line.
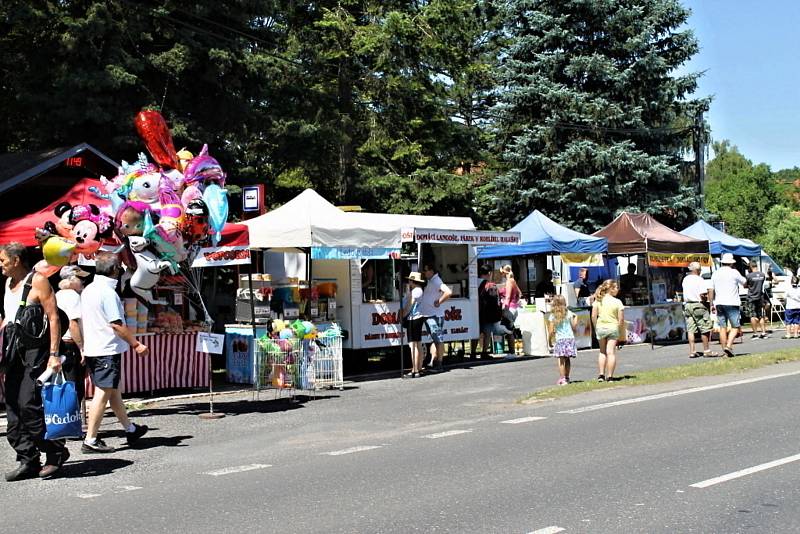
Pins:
<point x="452" y="262"/>
<point x="376" y="281"/>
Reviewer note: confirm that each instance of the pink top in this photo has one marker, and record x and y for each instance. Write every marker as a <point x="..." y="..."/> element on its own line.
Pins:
<point x="510" y="301"/>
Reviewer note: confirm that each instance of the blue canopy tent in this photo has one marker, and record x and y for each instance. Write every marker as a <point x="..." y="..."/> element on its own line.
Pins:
<point x="541" y="235"/>
<point x="719" y="242"/>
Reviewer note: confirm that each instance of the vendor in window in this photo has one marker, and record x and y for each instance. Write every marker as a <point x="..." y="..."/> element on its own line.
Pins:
<point x="627" y="282"/>
<point x="546" y="286"/>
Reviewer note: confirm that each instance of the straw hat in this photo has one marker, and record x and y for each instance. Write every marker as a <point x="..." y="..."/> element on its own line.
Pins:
<point x="727" y="258"/>
<point x="416" y="277"/>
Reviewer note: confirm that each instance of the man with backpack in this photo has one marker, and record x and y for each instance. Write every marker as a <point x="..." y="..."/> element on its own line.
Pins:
<point x="32" y="334"/>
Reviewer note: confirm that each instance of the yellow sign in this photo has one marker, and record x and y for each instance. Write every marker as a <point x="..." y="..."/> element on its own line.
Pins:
<point x="678" y="260"/>
<point x="582" y="260"/>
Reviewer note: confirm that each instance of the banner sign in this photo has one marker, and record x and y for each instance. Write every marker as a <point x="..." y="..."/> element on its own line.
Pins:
<point x="209" y="343"/>
<point x="380" y="323"/>
<point x="582" y="260"/>
<point x="460" y="237"/>
<point x="221" y="257"/>
<point x="251" y="198"/>
<point x="678" y="260"/>
<point x="353" y="253"/>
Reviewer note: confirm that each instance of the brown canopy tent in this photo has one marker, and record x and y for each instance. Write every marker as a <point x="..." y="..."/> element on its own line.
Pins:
<point x="639" y="233"/>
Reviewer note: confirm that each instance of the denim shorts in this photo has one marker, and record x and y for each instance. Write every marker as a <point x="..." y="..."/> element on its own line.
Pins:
<point x="793" y="316"/>
<point x="728" y="314"/>
<point x="105" y="371"/>
<point x="434" y="325"/>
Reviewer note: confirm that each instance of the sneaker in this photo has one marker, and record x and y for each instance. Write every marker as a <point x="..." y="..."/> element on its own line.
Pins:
<point x="561" y="381"/>
<point x="141" y="430"/>
<point x="23" y="472"/>
<point x="728" y="353"/>
<point x="98" y="447"/>
<point x="764" y="336"/>
<point x="601" y="378"/>
<point x="755" y="336"/>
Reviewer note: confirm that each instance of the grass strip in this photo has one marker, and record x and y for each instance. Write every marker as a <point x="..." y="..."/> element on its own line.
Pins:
<point x="717" y="366"/>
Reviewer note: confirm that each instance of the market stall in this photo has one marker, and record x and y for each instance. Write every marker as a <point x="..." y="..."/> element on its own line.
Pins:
<point x="653" y="309"/>
<point x="540" y="235"/>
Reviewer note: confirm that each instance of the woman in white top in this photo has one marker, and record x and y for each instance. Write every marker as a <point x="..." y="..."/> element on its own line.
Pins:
<point x="412" y="311"/>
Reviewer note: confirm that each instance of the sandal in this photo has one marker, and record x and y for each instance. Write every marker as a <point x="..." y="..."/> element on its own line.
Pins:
<point x="696" y="355"/>
<point x="710" y="354"/>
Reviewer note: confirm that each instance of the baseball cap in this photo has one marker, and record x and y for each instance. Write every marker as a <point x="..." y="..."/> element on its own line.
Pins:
<point x="72" y="270"/>
<point x="694" y="266"/>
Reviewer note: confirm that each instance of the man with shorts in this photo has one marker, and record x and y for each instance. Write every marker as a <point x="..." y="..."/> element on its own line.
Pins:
<point x="725" y="284"/>
<point x="435" y="294"/>
<point x="756" y="300"/>
<point x="698" y="319"/>
<point x="105" y="339"/>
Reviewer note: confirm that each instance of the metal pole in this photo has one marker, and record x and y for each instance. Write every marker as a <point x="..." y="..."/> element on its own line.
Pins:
<point x="256" y="378"/>
<point x="400" y="312"/>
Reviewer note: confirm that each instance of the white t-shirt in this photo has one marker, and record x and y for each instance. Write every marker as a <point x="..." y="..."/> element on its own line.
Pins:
<point x="11" y="301"/>
<point x="100" y="306"/>
<point x="69" y="301"/>
<point x="416" y="296"/>
<point x="431" y="294"/>
<point x="793" y="298"/>
<point x="693" y="288"/>
<point x="726" y="281"/>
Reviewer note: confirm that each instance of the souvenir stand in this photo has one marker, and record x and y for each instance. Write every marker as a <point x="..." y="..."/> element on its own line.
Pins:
<point x="653" y="311"/>
<point x="541" y="235"/>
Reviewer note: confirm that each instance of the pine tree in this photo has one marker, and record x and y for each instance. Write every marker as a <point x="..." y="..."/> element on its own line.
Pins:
<point x="590" y="111"/>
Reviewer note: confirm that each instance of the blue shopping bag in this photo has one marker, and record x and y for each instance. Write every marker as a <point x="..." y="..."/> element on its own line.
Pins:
<point x="62" y="416"/>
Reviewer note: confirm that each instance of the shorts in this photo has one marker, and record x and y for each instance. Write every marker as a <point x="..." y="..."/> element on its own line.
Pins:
<point x="697" y="318"/>
<point x="434" y="325"/>
<point x="105" y="371"/>
<point x="415" y="329"/>
<point x="565" y="348"/>
<point x="728" y="314"/>
<point x="495" y="329"/>
<point x="792" y="316"/>
<point x="756" y="308"/>
<point x="607" y="332"/>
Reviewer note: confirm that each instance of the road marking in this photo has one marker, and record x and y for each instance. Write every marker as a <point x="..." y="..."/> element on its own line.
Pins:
<point x="447" y="434"/>
<point x="123" y="489"/>
<point x="548" y="530"/>
<point x="677" y="393"/>
<point x="522" y="420"/>
<point x="237" y="469"/>
<point x="88" y="495"/>
<point x="745" y="472"/>
<point x="352" y="450"/>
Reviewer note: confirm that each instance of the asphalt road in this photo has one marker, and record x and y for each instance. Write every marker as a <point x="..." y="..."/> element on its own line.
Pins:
<point x="449" y="453"/>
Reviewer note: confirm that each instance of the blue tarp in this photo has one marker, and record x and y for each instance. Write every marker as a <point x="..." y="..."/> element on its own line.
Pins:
<point x="541" y="235"/>
<point x="719" y="242"/>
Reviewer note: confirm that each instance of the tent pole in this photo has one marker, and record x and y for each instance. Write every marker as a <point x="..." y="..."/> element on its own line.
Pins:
<point x="399" y="281"/>
<point x="649" y="296"/>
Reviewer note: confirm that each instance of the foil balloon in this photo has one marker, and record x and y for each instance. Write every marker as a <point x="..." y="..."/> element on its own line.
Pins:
<point x="195" y="222"/>
<point x="154" y="132"/>
<point x="203" y="170"/>
<point x="216" y="200"/>
<point x="57" y="251"/>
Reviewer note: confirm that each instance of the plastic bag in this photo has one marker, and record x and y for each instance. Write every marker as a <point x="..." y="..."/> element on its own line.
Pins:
<point x="62" y="416"/>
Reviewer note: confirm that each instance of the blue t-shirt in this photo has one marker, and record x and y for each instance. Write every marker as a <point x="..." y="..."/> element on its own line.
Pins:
<point x="564" y="328"/>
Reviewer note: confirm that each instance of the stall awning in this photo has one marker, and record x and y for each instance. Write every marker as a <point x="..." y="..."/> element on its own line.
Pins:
<point x="719" y="242"/>
<point x="22" y="229"/>
<point x="309" y="221"/>
<point x="541" y="235"/>
<point x="639" y="233"/>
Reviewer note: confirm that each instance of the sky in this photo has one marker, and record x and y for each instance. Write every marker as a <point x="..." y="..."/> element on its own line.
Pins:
<point x="750" y="50"/>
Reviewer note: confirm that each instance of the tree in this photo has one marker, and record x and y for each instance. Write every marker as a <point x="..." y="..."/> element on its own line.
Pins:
<point x="589" y="109"/>
<point x="739" y="192"/>
<point x="782" y="236"/>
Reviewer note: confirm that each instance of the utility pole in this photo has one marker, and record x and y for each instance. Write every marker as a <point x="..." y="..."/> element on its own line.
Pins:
<point x="698" y="142"/>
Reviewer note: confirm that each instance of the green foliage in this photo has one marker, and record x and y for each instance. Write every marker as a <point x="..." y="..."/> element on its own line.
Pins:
<point x="787" y="183"/>
<point x="739" y="192"/>
<point x="782" y="237"/>
<point x="588" y="112"/>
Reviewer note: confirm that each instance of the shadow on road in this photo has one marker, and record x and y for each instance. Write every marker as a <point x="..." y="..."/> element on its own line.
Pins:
<point x="94" y="467"/>
<point x="234" y="408"/>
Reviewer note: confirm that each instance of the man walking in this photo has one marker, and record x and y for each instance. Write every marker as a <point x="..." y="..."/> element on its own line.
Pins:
<point x="698" y="319"/>
<point x="725" y="294"/>
<point x="756" y="301"/>
<point x="25" y="291"/>
<point x="435" y="294"/>
<point x="105" y="339"/>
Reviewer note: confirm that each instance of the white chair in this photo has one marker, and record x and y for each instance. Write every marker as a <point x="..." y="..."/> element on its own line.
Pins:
<point x="776" y="310"/>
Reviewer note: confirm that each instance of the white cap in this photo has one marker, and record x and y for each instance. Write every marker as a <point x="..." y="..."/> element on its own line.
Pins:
<point x="694" y="266"/>
<point x="727" y="258"/>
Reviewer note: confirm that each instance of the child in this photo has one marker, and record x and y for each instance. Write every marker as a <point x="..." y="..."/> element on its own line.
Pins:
<point x="792" y="314"/>
<point x="561" y="324"/>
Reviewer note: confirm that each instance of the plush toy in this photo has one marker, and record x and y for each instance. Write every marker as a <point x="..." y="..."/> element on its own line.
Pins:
<point x="286" y="333"/>
<point x="148" y="269"/>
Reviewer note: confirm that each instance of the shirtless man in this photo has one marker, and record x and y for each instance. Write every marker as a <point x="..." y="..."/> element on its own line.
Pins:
<point x="23" y="403"/>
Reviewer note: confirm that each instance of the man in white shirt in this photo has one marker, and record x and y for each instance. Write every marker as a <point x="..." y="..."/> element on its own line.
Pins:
<point x="434" y="295"/>
<point x="698" y="320"/>
<point x="68" y="299"/>
<point x="725" y="293"/>
<point x="106" y="338"/>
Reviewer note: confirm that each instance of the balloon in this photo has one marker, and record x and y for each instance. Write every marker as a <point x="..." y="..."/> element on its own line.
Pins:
<point x="154" y="132"/>
<point x="148" y="270"/>
<point x="203" y="169"/>
<point x="216" y="200"/>
<point x="195" y="222"/>
<point x="57" y="251"/>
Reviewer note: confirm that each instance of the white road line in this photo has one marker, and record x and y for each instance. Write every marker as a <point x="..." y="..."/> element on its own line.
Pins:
<point x="352" y="450"/>
<point x="236" y="469"/>
<point x="745" y="472"/>
<point x="447" y="434"/>
<point x="677" y="393"/>
<point x="522" y="420"/>
<point x="548" y="530"/>
<point x="88" y="495"/>
<point x="123" y="489"/>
